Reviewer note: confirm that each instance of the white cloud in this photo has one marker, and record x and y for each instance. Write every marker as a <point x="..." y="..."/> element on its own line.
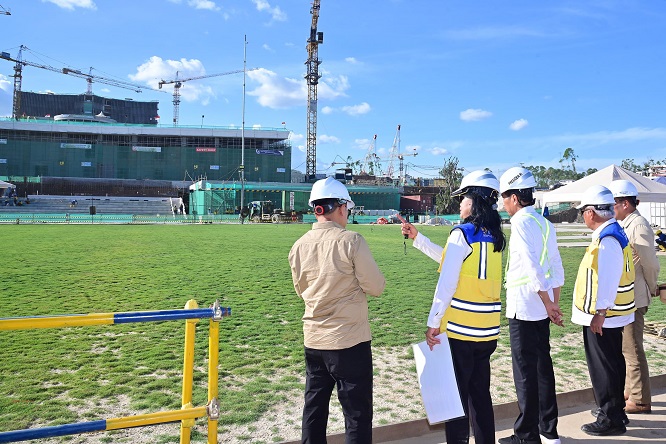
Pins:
<point x="361" y="144"/>
<point x="267" y="47"/>
<point x="5" y="97"/>
<point x="156" y="69"/>
<point x="276" y="13"/>
<point x="518" y="124"/>
<point x="327" y="110"/>
<point x="438" y="150"/>
<point x="472" y="115"/>
<point x="5" y="84"/>
<point x="323" y="138"/>
<point x="283" y="92"/>
<point x="356" y="110"/>
<point x="71" y="4"/>
<point x="203" y="4"/>
<point x="351" y="60"/>
<point x="296" y="137"/>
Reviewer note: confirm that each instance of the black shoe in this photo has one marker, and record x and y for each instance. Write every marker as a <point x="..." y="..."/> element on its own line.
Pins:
<point x="598" y="429"/>
<point x="595" y="413"/>
<point x="513" y="439"/>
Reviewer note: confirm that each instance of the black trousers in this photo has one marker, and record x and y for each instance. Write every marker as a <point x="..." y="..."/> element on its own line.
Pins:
<point x="471" y="364"/>
<point x="350" y="370"/>
<point x="605" y="362"/>
<point x="534" y="379"/>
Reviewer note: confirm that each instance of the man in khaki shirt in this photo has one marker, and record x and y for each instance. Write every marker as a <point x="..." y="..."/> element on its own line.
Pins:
<point x="333" y="271"/>
<point x="641" y="238"/>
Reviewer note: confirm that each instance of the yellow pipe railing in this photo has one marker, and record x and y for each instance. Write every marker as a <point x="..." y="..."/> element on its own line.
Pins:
<point x="213" y="362"/>
<point x="188" y="373"/>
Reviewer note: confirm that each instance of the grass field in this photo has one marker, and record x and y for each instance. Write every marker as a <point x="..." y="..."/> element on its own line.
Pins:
<point x="57" y="376"/>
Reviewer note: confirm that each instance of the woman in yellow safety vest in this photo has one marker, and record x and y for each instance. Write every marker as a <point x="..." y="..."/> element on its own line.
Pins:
<point x="466" y="306"/>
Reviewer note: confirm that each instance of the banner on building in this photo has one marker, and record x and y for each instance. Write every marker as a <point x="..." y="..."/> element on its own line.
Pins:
<point x="3" y="160"/>
<point x="86" y="164"/>
<point x="147" y="149"/>
<point x="205" y="150"/>
<point x="281" y="170"/>
<point x="78" y="146"/>
<point x="214" y="167"/>
<point x="3" y="141"/>
<point x="271" y="152"/>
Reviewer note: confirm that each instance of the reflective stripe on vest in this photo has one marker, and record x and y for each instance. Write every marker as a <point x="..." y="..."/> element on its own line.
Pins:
<point x="587" y="281"/>
<point x="474" y="311"/>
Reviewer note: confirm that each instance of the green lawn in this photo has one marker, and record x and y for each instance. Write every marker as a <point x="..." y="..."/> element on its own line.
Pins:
<point x="48" y="375"/>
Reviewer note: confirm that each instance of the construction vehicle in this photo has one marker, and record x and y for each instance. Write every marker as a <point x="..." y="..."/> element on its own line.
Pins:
<point x="265" y="211"/>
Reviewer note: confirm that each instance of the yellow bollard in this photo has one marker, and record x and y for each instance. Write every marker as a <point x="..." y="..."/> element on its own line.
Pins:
<point x="213" y="362"/>
<point x="188" y="373"/>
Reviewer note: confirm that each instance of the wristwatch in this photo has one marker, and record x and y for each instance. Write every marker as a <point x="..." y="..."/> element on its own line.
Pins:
<point x="602" y="314"/>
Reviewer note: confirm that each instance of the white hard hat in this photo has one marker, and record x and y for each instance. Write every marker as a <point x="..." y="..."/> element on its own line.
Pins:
<point x="622" y="188"/>
<point x="597" y="195"/>
<point x="481" y="180"/>
<point x="330" y="188"/>
<point x="516" y="178"/>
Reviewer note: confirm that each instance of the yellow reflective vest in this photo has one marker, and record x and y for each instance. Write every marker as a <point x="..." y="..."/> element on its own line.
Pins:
<point x="587" y="282"/>
<point x="474" y="313"/>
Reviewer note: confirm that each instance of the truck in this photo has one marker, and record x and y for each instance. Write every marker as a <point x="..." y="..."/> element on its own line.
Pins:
<point x="264" y="211"/>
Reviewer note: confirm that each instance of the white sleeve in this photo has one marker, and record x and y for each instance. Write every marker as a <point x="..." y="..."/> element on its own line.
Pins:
<point x="426" y="246"/>
<point x="611" y="261"/>
<point x="457" y="249"/>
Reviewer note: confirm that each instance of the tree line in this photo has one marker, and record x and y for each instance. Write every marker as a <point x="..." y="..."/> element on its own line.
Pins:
<point x="546" y="177"/>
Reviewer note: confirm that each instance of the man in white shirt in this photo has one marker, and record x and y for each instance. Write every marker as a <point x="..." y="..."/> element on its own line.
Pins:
<point x="603" y="304"/>
<point x="533" y="278"/>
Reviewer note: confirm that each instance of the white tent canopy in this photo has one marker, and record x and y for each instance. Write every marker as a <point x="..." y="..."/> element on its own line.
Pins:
<point x="648" y="190"/>
<point x="4" y="184"/>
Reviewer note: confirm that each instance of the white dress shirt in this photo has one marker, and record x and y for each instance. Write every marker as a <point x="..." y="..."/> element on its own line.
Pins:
<point x="611" y="261"/>
<point x="525" y="249"/>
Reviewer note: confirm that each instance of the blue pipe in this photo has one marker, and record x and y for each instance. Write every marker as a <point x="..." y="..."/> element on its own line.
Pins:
<point x="163" y="315"/>
<point x="46" y="432"/>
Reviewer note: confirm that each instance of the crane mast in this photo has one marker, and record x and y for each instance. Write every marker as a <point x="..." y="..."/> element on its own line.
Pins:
<point x="312" y="77"/>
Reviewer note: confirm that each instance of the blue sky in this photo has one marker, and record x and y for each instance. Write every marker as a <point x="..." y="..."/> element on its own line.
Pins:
<point x="494" y="84"/>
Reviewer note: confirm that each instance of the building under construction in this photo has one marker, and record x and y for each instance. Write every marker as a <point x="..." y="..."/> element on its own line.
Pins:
<point x="88" y="145"/>
<point x="122" y="111"/>
<point x="85" y="137"/>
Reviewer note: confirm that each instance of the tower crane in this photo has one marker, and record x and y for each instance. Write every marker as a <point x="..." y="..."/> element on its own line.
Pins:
<point x="19" y="63"/>
<point x="312" y="77"/>
<point x="177" y="83"/>
<point x="396" y="154"/>
<point x="401" y="157"/>
<point x="393" y="154"/>
<point x="370" y="158"/>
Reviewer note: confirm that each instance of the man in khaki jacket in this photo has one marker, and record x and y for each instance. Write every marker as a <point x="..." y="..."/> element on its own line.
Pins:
<point x="641" y="238"/>
<point x="333" y="270"/>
